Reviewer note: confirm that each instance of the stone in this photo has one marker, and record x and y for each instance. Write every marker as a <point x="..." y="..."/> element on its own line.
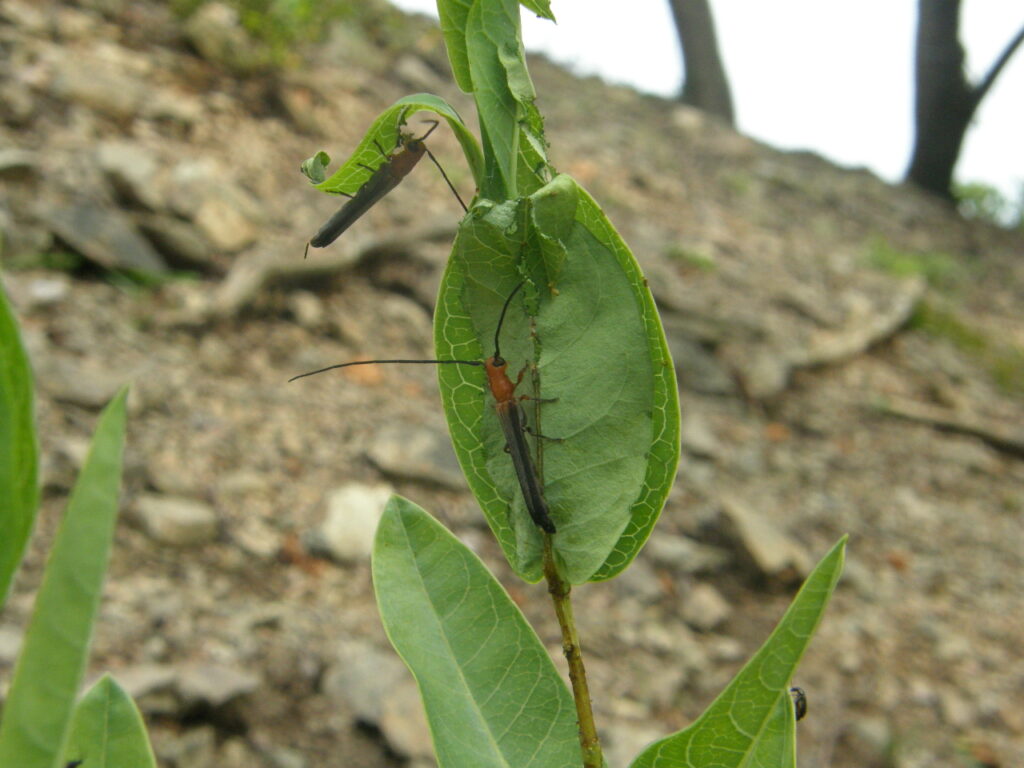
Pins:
<point x="362" y="677"/>
<point x="307" y="308"/>
<point x="195" y="748"/>
<point x="18" y="164"/>
<point x="177" y="520"/>
<point x="141" y="680"/>
<point x="683" y="555"/>
<point x="215" y="685"/>
<point x="698" y="369"/>
<point x="639" y="582"/>
<point x="771" y="551"/>
<point x="224" y="224"/>
<point x="258" y="539"/>
<point x="100" y="88"/>
<point x="696" y="436"/>
<point x="955" y="708"/>
<point x="283" y="757"/>
<point x="179" y="242"/>
<point x="417" y="453"/>
<point x="216" y="31"/>
<point x="867" y="741"/>
<point x="622" y="741"/>
<point x="73" y="24"/>
<point x="176" y="105"/>
<point x="350" y="524"/>
<point x="81" y="382"/>
<point x="704" y="608"/>
<point x="48" y="291"/>
<point x="131" y="171"/>
<point x="10" y="645"/>
<point x="104" y="236"/>
<point x="189" y="184"/>
<point x="403" y="722"/>
<point x="17" y="104"/>
<point x="241" y="483"/>
<point x="764" y="371"/>
<point x="417" y="74"/>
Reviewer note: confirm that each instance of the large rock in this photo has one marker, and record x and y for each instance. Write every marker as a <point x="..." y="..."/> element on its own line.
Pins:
<point x="105" y="236"/>
<point x="131" y="171"/>
<point x="215" y="685"/>
<point x="417" y="454"/>
<point x="772" y="552"/>
<point x="353" y="512"/>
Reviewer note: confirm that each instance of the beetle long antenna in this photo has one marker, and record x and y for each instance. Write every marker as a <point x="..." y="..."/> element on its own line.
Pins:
<point x="433" y="124"/>
<point x="501" y="319"/>
<point x="374" y="362"/>
<point x="445" y="176"/>
<point x="433" y="159"/>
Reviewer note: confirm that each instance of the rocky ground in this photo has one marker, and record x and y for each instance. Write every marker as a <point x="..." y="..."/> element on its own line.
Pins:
<point x="849" y="355"/>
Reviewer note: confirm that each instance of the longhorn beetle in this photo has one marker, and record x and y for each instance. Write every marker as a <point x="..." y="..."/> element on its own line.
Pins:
<point x="384" y="178"/>
<point x="510" y="416"/>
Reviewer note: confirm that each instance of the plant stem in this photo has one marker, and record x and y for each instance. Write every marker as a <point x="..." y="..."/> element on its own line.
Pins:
<point x="558" y="588"/>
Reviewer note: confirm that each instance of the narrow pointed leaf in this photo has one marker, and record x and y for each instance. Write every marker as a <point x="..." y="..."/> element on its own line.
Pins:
<point x="49" y="670"/>
<point x="540" y="7"/>
<point x="453" y="15"/>
<point x="751" y="722"/>
<point x="19" y="451"/>
<point x="492" y="29"/>
<point x="107" y="730"/>
<point x="492" y="695"/>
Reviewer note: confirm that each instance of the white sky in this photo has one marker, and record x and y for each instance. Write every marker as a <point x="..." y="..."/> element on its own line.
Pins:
<point x="832" y="77"/>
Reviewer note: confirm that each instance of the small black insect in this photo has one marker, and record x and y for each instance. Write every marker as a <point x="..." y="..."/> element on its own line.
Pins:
<point x="74" y="764"/>
<point x="799" y="702"/>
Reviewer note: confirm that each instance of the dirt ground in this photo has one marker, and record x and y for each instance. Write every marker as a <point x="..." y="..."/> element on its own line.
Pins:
<point x="849" y="354"/>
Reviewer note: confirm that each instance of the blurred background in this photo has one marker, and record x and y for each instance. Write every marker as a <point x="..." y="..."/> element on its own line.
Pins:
<point x="841" y="287"/>
<point x="835" y="79"/>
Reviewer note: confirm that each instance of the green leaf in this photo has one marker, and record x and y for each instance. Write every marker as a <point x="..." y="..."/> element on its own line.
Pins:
<point x="492" y="32"/>
<point x="49" y="670"/>
<point x="588" y="323"/>
<point x="453" y="15"/>
<point x="315" y="167"/>
<point x="385" y="132"/>
<point x="486" y="50"/>
<point x="107" y="730"/>
<point x="533" y="170"/>
<point x="751" y="722"/>
<point x="492" y="695"/>
<point x="540" y="7"/>
<point x="19" y="451"/>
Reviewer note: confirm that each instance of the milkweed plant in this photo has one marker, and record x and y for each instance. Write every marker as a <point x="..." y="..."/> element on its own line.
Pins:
<point x="536" y="255"/>
<point x="599" y="378"/>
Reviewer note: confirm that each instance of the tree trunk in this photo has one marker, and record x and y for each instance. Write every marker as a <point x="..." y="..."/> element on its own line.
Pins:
<point x="706" y="86"/>
<point x="944" y="102"/>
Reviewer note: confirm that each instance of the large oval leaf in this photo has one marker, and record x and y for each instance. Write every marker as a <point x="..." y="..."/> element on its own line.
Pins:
<point x="588" y="328"/>
<point x="493" y="697"/>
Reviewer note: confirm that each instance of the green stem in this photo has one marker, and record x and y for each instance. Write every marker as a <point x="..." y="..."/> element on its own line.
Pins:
<point x="558" y="588"/>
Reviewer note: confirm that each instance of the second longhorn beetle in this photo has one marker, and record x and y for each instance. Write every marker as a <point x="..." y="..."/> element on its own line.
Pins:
<point x="383" y="179"/>
<point x="510" y="416"/>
